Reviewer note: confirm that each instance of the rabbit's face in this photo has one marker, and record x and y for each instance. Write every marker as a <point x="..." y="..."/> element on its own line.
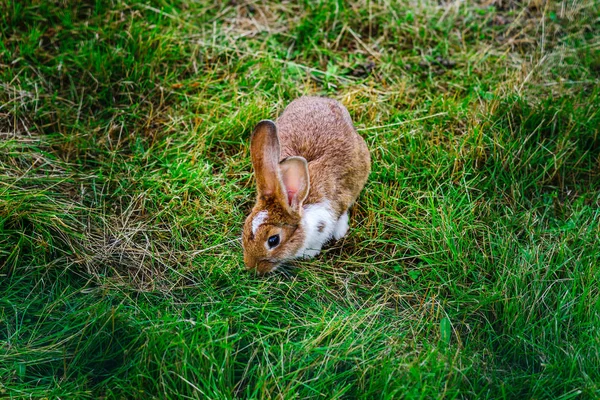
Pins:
<point x="272" y="232"/>
<point x="269" y="239"/>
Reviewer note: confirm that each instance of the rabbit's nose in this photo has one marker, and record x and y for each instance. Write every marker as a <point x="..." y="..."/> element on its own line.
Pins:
<point x="250" y="262"/>
<point x="264" y="267"/>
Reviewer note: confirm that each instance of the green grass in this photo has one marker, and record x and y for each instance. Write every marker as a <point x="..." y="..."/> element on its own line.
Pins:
<point x="471" y="269"/>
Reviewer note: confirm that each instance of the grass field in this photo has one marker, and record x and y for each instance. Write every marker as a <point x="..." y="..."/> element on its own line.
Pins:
<point x="471" y="269"/>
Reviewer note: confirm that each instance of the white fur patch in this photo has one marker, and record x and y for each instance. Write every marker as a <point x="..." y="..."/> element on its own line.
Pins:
<point x="258" y="220"/>
<point x="341" y="227"/>
<point x="318" y="222"/>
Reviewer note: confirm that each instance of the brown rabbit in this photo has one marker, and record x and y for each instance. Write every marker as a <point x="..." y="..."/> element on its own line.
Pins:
<point x="310" y="167"/>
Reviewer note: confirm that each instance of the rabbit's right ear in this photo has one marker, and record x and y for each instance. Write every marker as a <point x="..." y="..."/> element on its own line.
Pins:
<point x="264" y="150"/>
<point x="294" y="174"/>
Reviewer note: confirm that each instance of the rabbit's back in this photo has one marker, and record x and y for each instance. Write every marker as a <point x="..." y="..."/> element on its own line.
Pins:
<point x="321" y="130"/>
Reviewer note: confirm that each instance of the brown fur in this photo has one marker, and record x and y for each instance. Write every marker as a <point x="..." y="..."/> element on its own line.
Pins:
<point x="317" y="133"/>
<point x="321" y="130"/>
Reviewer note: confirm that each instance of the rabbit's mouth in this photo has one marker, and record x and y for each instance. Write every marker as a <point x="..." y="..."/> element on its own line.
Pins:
<point x="263" y="267"/>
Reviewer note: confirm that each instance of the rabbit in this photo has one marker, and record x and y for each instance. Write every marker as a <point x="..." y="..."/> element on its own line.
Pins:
<point x="310" y="167"/>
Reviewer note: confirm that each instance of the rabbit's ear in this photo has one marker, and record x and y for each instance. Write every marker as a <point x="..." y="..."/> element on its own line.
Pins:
<point x="296" y="182"/>
<point x="264" y="150"/>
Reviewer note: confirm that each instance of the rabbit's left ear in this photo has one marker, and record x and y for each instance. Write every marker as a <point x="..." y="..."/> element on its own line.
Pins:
<point x="296" y="182"/>
<point x="264" y="149"/>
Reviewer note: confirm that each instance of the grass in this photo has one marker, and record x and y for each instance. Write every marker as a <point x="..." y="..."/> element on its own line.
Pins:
<point x="471" y="269"/>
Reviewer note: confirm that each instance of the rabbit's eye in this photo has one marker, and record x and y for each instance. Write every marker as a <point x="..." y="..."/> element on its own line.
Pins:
<point x="273" y="241"/>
